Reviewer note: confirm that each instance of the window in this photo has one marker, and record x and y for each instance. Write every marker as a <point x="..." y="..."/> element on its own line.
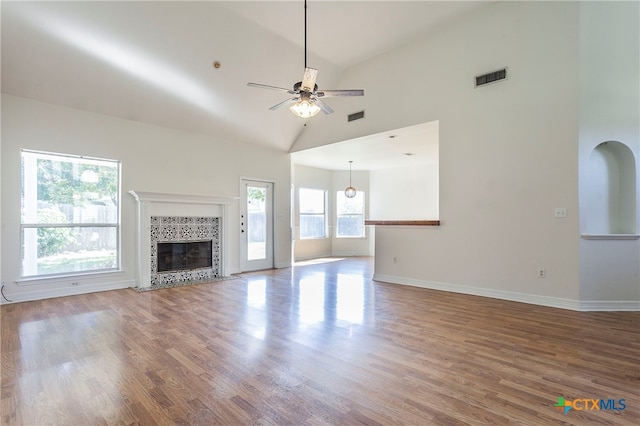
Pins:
<point x="312" y="213"/>
<point x="70" y="214"/>
<point x="350" y="212"/>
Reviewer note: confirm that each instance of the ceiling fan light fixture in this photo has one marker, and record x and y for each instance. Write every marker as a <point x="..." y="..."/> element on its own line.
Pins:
<point x="304" y="108"/>
<point x="308" y="104"/>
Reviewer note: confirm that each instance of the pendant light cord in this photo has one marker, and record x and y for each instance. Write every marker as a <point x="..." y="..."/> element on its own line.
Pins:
<point x="350" y="172"/>
<point x="305" y="34"/>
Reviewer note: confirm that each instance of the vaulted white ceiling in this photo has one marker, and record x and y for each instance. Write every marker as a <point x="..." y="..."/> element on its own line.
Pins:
<point x="152" y="61"/>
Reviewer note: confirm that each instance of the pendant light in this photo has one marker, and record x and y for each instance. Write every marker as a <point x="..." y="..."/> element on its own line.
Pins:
<point x="350" y="191"/>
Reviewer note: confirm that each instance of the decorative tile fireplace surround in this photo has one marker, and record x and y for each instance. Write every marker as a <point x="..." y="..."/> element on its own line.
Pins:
<point x="180" y="218"/>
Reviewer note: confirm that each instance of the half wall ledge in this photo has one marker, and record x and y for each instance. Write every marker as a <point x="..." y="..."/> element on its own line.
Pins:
<point x="403" y="222"/>
<point x="610" y="236"/>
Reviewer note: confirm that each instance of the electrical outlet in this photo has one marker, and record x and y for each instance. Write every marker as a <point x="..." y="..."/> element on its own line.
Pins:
<point x="75" y="283"/>
<point x="560" y="212"/>
<point x="542" y="273"/>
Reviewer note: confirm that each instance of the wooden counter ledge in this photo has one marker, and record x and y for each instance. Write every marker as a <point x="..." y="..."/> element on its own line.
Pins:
<point x="403" y="222"/>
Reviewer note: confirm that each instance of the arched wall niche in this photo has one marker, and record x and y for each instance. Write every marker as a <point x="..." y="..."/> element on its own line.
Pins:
<point x="611" y="190"/>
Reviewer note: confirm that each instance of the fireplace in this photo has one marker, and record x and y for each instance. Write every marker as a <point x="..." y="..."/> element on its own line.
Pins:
<point x="184" y="249"/>
<point x="184" y="256"/>
<point x="181" y="239"/>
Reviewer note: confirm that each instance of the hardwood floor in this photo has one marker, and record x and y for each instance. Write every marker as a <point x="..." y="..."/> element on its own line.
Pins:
<point x="314" y="344"/>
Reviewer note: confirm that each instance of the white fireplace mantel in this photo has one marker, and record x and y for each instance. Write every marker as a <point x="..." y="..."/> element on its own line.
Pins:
<point x="160" y="197"/>
<point x="162" y="204"/>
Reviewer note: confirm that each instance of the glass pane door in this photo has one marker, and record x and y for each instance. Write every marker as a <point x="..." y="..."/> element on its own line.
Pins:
<point x="256" y="225"/>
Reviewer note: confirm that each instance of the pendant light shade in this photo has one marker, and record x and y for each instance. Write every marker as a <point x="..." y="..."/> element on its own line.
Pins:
<point x="350" y="191"/>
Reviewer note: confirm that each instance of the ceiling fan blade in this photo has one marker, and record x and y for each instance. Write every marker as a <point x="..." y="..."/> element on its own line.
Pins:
<point x="285" y="103"/>
<point x="265" y="86"/>
<point x="334" y="93"/>
<point x="324" y="107"/>
<point x="309" y="79"/>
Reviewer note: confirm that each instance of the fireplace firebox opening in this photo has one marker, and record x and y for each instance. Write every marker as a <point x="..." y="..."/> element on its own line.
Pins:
<point x="180" y="256"/>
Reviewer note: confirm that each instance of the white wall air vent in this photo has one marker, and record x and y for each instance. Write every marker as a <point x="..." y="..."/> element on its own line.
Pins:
<point x="491" y="77"/>
<point x="355" y="116"/>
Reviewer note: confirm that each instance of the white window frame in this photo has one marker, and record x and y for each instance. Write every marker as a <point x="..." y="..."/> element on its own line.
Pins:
<point x="339" y="214"/>
<point x="301" y="214"/>
<point x="29" y="219"/>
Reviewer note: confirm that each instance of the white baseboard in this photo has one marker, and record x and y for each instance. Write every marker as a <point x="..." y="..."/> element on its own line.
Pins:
<point x="333" y="254"/>
<point x="315" y="256"/>
<point x="609" y="305"/>
<point x="534" y="299"/>
<point x="350" y="253"/>
<point x="44" y="293"/>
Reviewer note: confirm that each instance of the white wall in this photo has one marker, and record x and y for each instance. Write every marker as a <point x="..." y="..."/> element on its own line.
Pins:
<point x="330" y="181"/>
<point x="609" y="111"/>
<point x="507" y="151"/>
<point x="2" y="299"/>
<point x="153" y="159"/>
<point x="407" y="193"/>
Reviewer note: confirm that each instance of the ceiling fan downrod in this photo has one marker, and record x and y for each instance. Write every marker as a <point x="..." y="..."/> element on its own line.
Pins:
<point x="305" y="33"/>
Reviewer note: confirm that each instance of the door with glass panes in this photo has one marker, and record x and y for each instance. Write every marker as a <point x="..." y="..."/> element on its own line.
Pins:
<point x="256" y="225"/>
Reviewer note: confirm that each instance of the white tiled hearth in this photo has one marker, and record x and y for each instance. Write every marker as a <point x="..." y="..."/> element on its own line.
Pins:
<point x="179" y="218"/>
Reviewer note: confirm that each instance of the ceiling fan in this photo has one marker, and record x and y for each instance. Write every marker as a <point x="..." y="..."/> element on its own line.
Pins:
<point x="306" y="100"/>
